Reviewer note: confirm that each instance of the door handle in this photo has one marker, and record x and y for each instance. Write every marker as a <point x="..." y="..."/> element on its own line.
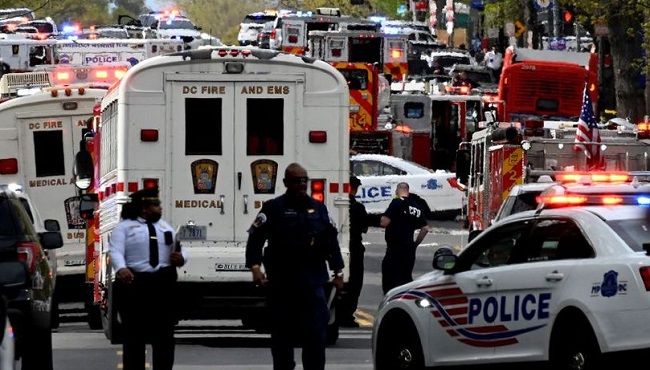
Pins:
<point x="221" y="201"/>
<point x="239" y="180"/>
<point x="245" y="203"/>
<point x="555" y="276"/>
<point x="484" y="281"/>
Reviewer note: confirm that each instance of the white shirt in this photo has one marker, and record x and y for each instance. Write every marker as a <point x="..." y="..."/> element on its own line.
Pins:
<point x="129" y="245"/>
<point x="489" y="59"/>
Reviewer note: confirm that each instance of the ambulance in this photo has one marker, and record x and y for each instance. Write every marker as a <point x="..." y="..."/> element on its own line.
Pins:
<point x="103" y="51"/>
<point x="214" y="129"/>
<point x="39" y="135"/>
<point x="25" y="54"/>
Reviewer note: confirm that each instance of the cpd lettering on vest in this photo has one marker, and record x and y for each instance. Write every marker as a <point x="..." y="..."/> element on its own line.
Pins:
<point x="510" y="308"/>
<point x="376" y="191"/>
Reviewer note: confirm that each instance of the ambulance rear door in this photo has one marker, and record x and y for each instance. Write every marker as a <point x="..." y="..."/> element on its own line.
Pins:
<point x="231" y="141"/>
<point x="48" y="151"/>
<point x="294" y="38"/>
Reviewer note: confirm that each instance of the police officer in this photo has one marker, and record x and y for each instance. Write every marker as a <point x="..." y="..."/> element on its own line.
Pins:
<point x="301" y="239"/>
<point x="352" y="289"/>
<point x="402" y="218"/>
<point x="144" y="254"/>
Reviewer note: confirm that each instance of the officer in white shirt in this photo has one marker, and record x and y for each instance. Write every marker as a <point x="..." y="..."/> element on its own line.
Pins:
<point x="144" y="254"/>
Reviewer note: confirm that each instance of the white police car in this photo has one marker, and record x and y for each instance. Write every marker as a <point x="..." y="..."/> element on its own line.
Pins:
<point x="562" y="284"/>
<point x="380" y="174"/>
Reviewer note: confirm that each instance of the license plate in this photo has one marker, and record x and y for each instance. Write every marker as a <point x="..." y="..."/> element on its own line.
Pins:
<point x="192" y="232"/>
<point x="74" y="262"/>
<point x="230" y="267"/>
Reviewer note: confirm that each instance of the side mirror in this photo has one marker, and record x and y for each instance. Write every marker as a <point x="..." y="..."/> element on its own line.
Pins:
<point x="83" y="170"/>
<point x="462" y="165"/>
<point x="444" y="262"/>
<point x="52" y="225"/>
<point x="87" y="205"/>
<point x="51" y="239"/>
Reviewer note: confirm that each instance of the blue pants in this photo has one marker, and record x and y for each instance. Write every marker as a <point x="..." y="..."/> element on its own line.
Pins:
<point x="299" y="316"/>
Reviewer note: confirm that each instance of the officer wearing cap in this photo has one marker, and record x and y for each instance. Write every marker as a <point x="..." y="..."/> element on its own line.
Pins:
<point x="352" y="289"/>
<point x="145" y="256"/>
<point x="301" y="239"/>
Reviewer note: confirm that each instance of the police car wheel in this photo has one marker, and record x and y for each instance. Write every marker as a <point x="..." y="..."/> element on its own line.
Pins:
<point x="574" y="345"/>
<point x="398" y="346"/>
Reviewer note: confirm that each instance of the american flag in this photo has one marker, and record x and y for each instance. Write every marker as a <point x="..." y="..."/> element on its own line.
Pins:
<point x="587" y="136"/>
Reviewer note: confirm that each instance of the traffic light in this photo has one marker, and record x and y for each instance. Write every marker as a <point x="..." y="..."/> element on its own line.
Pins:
<point x="568" y="19"/>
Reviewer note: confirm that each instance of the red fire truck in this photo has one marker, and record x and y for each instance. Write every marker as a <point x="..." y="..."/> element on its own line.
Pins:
<point x="545" y="84"/>
<point x="509" y="153"/>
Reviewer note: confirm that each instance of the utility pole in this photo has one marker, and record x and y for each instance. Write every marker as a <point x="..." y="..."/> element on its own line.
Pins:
<point x="556" y="19"/>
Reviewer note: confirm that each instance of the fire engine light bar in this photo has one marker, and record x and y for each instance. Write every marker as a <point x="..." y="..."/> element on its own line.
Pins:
<point x="8" y="166"/>
<point x="149" y="135"/>
<point x="318" y="137"/>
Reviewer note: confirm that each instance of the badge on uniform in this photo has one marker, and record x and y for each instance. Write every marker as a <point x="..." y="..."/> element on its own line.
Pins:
<point x="259" y="220"/>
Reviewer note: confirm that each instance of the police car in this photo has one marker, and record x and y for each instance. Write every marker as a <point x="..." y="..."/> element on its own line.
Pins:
<point x="567" y="283"/>
<point x="380" y="174"/>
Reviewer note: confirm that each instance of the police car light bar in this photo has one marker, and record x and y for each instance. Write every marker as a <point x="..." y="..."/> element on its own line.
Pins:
<point x="593" y="177"/>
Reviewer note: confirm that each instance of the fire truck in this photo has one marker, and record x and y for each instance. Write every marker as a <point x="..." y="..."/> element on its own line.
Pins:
<point x="215" y="137"/>
<point x="545" y="84"/>
<point x="505" y="154"/>
<point x="41" y="125"/>
<point x="291" y="32"/>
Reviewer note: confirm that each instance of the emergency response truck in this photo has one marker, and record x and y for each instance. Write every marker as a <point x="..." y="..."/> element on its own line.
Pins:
<point x="215" y="128"/>
<point x="23" y="54"/>
<point x="506" y="154"/>
<point x="39" y="136"/>
<point x="102" y="51"/>
<point x="545" y="83"/>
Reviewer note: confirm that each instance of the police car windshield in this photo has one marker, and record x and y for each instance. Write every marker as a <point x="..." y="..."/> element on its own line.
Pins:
<point x="176" y="24"/>
<point x="635" y="232"/>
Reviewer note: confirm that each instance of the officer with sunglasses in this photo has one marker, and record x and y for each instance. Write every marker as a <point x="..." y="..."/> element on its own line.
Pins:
<point x="293" y="268"/>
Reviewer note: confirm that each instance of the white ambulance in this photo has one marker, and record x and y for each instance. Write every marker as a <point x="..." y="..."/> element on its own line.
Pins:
<point x="215" y="128"/>
<point x="39" y="136"/>
<point x="23" y="54"/>
<point x="102" y="51"/>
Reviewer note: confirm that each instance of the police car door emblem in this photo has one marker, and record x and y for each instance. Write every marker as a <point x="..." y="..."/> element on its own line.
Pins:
<point x="204" y="176"/>
<point x="609" y="287"/>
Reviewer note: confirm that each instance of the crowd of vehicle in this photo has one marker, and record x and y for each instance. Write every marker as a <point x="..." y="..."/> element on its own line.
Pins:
<point x="554" y="263"/>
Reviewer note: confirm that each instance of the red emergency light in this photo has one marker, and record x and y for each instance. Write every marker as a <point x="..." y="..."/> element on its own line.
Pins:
<point x="318" y="189"/>
<point x="149" y="183"/>
<point x="396" y="53"/>
<point x="8" y="166"/>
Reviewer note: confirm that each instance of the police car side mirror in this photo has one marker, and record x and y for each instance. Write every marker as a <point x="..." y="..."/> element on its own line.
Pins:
<point x="444" y="262"/>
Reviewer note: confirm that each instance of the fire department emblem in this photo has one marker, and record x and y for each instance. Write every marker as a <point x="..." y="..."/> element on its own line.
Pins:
<point x="265" y="173"/>
<point x="72" y="214"/>
<point x="204" y="176"/>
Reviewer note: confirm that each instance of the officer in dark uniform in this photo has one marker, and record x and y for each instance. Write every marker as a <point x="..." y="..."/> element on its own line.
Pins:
<point x="301" y="239"/>
<point x="358" y="226"/>
<point x="145" y="256"/>
<point x="403" y="216"/>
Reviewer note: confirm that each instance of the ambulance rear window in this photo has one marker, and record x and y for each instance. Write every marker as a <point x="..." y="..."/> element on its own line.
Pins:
<point x="203" y="123"/>
<point x="48" y="153"/>
<point x="357" y="78"/>
<point x="265" y="126"/>
<point x="413" y="110"/>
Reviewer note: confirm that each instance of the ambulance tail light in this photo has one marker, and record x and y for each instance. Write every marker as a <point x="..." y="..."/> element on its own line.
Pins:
<point x="28" y="253"/>
<point x="149" y="135"/>
<point x="645" y="276"/>
<point x="317" y="137"/>
<point x="8" y="166"/>
<point x="336" y="53"/>
<point x="292" y="39"/>
<point x="318" y="189"/>
<point x="643" y="130"/>
<point x="273" y="34"/>
<point x="149" y="183"/>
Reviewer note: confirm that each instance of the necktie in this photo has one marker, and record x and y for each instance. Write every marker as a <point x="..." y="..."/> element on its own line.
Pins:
<point x="153" y="245"/>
